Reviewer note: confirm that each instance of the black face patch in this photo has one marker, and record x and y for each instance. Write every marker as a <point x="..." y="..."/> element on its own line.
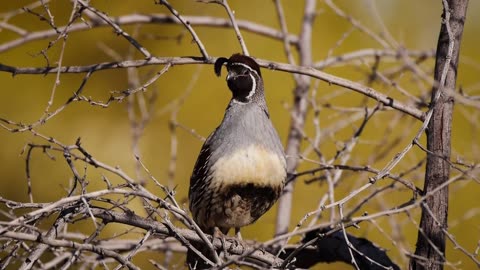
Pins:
<point x="243" y="75"/>
<point x="241" y="86"/>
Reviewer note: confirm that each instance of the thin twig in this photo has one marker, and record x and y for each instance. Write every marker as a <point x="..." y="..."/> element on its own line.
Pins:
<point x="187" y="25"/>
<point x="117" y="28"/>
<point x="231" y="15"/>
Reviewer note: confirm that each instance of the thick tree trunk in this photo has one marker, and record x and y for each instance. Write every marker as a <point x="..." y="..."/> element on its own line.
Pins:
<point x="430" y="251"/>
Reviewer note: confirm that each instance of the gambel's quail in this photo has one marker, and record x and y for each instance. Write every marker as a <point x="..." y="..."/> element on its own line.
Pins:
<point x="241" y="169"/>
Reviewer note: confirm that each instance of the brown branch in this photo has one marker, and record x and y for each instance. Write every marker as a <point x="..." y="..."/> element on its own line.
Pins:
<point x="231" y="15"/>
<point x="283" y="26"/>
<point x="364" y="53"/>
<point x="254" y="250"/>
<point x="15" y="12"/>
<point x="68" y="244"/>
<point x="150" y="19"/>
<point x="431" y="236"/>
<point x="42" y="247"/>
<point x="330" y="79"/>
<point x="187" y="25"/>
<point x="355" y="23"/>
<point x="117" y="28"/>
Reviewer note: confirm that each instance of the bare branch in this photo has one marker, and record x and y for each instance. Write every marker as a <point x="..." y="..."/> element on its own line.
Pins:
<point x="187" y="25"/>
<point x="298" y="115"/>
<point x="355" y="159"/>
<point x="330" y="79"/>
<point x="151" y="19"/>
<point x="117" y="29"/>
<point x="233" y="21"/>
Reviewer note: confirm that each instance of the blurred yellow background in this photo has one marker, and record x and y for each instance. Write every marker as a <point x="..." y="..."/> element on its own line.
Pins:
<point x="106" y="132"/>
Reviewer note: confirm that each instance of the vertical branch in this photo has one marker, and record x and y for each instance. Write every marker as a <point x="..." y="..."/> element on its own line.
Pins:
<point x="231" y="15"/>
<point x="431" y="238"/>
<point x="300" y="105"/>
<point x="286" y="43"/>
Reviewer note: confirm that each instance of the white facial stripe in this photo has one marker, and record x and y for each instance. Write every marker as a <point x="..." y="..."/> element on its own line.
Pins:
<point x="239" y="102"/>
<point x="254" y="87"/>
<point x="245" y="66"/>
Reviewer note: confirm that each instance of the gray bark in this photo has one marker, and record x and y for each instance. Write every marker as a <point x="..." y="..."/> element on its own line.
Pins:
<point x="431" y="238"/>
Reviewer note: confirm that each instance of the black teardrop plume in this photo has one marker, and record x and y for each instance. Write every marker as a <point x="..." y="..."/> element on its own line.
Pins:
<point x="218" y="65"/>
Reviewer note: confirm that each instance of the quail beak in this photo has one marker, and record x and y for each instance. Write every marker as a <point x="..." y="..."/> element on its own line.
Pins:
<point x="231" y="75"/>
